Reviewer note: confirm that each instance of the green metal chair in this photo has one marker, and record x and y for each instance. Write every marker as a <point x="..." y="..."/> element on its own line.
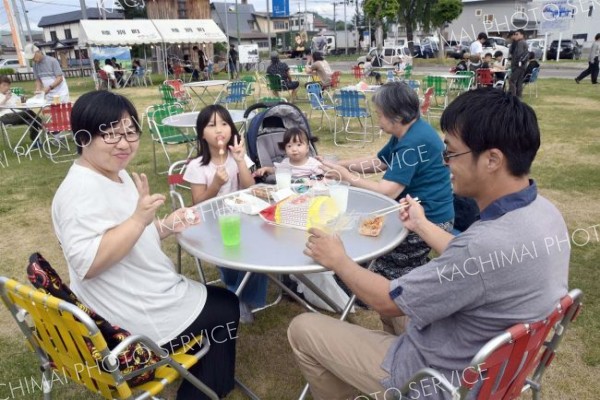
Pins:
<point x="167" y="135"/>
<point x="440" y="88"/>
<point x="463" y="85"/>
<point x="250" y="81"/>
<point x="275" y="84"/>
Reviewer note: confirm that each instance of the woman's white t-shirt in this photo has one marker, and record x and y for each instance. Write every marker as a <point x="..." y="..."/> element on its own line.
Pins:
<point x="141" y="293"/>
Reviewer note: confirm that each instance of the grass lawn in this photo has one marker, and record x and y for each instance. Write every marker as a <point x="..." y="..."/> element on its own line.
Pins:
<point x="567" y="170"/>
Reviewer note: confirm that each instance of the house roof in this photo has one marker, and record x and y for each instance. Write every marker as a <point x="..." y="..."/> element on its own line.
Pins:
<point x="76" y="16"/>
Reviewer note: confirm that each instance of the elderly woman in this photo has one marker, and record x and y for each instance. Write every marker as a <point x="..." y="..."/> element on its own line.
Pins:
<point x="106" y="224"/>
<point x="412" y="164"/>
<point x="321" y="69"/>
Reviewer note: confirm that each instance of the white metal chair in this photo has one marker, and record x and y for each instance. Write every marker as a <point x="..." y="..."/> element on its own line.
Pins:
<point x="318" y="102"/>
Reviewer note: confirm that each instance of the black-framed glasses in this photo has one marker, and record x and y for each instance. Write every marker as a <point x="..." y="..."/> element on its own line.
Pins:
<point x="114" y="138"/>
<point x="447" y="155"/>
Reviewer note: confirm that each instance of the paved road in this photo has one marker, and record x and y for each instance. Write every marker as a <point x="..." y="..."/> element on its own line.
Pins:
<point x="550" y="69"/>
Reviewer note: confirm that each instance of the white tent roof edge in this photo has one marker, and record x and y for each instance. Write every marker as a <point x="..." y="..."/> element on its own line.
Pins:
<point x="147" y="31"/>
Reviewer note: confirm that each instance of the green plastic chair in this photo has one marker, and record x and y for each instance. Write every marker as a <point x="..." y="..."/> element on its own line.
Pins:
<point x="167" y="135"/>
<point x="250" y="80"/>
<point x="463" y="85"/>
<point x="167" y="94"/>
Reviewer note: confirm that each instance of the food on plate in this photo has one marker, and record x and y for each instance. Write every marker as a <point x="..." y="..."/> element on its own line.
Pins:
<point x="265" y="193"/>
<point x="190" y="215"/>
<point x="301" y="211"/>
<point x="371" y="226"/>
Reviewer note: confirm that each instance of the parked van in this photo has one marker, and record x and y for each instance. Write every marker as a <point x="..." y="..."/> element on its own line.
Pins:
<point x="389" y="56"/>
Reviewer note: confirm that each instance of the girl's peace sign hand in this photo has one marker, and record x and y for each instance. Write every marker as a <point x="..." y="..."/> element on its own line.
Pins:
<point x="238" y="150"/>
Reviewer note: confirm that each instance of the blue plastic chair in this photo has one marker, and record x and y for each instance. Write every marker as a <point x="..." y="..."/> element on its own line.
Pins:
<point x="236" y="92"/>
<point x="318" y="103"/>
<point x="352" y="104"/>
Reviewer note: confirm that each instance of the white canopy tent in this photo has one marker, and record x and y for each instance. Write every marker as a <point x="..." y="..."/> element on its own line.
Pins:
<point x="149" y="31"/>
<point x="118" y="32"/>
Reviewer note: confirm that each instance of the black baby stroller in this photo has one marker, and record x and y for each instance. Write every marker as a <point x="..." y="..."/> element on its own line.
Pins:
<point x="265" y="131"/>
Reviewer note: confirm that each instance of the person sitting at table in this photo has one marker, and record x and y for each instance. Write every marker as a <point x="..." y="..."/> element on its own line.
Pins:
<point x="368" y="70"/>
<point x="487" y="61"/>
<point x="466" y="296"/>
<point x="107" y="227"/>
<point x="412" y="164"/>
<point x="298" y="160"/>
<point x="13" y="117"/>
<point x="188" y="67"/>
<point x="110" y="72"/>
<point x="118" y="71"/>
<point x="96" y="65"/>
<point x="320" y="67"/>
<point x="277" y="67"/>
<point x="499" y="66"/>
<point x="463" y="64"/>
<point x="222" y="167"/>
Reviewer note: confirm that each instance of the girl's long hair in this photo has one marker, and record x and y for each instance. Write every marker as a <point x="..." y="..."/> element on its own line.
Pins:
<point x="207" y="115"/>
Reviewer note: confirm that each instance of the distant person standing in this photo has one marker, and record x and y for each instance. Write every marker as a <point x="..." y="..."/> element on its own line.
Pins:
<point x="233" y="58"/>
<point x="592" y="62"/>
<point x="49" y="77"/>
<point x="519" y="53"/>
<point x="319" y="43"/>
<point x="202" y="60"/>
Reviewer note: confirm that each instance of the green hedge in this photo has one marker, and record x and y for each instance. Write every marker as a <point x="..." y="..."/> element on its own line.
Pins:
<point x="7" y="71"/>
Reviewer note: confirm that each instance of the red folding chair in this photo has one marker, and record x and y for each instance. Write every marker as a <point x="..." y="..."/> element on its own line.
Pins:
<point x="179" y="92"/>
<point x="335" y="80"/>
<point x="358" y="72"/>
<point x="426" y="105"/>
<point x="484" y="77"/>
<point x="500" y="369"/>
<point x="57" y="130"/>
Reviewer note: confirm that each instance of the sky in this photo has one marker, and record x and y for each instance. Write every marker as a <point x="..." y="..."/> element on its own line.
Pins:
<point x="39" y="8"/>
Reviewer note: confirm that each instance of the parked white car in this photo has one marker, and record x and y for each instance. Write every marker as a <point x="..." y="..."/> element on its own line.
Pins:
<point x="495" y="43"/>
<point x="388" y="55"/>
<point x="12" y="63"/>
<point x="538" y="46"/>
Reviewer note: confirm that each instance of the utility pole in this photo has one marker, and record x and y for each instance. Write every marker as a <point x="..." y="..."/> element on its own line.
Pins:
<point x="269" y="25"/>
<point x="83" y="9"/>
<point x="346" y="26"/>
<point x="237" y="23"/>
<point x="26" y="21"/>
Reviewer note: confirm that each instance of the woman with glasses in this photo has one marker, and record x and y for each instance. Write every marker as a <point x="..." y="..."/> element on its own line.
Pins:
<point x="110" y="234"/>
<point x="412" y="164"/>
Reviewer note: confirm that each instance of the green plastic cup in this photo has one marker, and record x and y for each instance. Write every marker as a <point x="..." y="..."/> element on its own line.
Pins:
<point x="230" y="226"/>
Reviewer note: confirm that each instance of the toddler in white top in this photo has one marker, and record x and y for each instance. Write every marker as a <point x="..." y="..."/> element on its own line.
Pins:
<point x="296" y="145"/>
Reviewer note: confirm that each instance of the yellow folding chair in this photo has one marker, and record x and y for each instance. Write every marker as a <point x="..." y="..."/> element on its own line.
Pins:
<point x="66" y="339"/>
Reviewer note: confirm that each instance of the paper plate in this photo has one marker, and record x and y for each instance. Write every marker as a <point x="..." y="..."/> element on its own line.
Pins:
<point x="246" y="203"/>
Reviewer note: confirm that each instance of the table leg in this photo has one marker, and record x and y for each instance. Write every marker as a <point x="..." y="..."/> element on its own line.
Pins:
<point x="243" y="283"/>
<point x="291" y="293"/>
<point x="347" y="309"/>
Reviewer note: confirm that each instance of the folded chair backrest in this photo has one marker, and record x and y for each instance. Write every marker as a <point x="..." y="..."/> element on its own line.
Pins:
<point x="407" y="71"/>
<point x="315" y="95"/>
<point x="156" y="114"/>
<point x="485" y="77"/>
<point x="60" y="117"/>
<point x="506" y="361"/>
<point x="358" y="72"/>
<point x="236" y="91"/>
<point x="426" y="101"/>
<point x="335" y="79"/>
<point x="274" y="82"/>
<point x="351" y="103"/>
<point x="62" y="335"/>
<point x="437" y="83"/>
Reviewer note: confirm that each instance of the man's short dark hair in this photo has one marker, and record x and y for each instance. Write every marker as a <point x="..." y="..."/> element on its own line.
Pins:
<point x="482" y="35"/>
<point x="498" y="53"/>
<point x="521" y="31"/>
<point x="505" y="123"/>
<point x="597" y="36"/>
<point x="397" y="102"/>
<point x="5" y="79"/>
<point x="89" y="120"/>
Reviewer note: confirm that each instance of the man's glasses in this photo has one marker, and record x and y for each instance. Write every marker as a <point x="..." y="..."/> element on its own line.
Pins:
<point x="447" y="155"/>
<point x="114" y="138"/>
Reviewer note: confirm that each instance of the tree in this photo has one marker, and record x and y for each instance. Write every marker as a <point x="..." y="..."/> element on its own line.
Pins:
<point x="379" y="11"/>
<point x="444" y="12"/>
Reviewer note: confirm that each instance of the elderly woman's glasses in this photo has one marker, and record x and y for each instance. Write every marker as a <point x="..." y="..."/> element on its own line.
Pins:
<point x="447" y="155"/>
<point x="114" y="138"/>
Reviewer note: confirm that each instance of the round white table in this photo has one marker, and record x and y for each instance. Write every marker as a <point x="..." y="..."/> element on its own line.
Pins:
<point x="188" y="119"/>
<point x="36" y="108"/>
<point x="273" y="250"/>
<point x="204" y="85"/>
